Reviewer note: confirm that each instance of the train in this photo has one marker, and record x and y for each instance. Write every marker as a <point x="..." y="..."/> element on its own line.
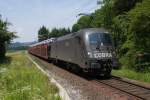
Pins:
<point x="89" y="50"/>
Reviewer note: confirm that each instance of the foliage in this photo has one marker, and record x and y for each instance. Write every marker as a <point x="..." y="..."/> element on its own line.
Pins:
<point x="138" y="35"/>
<point x="83" y="22"/>
<point x="59" y="32"/>
<point x="43" y="34"/>
<point x="131" y="74"/>
<point x="97" y="19"/>
<point x="21" y="80"/>
<point x="140" y="22"/>
<point x="122" y="6"/>
<point x="5" y="36"/>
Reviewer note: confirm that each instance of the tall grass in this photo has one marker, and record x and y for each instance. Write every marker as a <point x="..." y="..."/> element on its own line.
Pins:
<point x="21" y="80"/>
<point x="131" y="74"/>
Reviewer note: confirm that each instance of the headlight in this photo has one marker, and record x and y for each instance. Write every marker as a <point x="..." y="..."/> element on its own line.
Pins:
<point x="90" y="54"/>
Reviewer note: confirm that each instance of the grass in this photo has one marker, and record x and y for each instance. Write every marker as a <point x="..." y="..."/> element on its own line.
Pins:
<point x="21" y="80"/>
<point x="124" y="72"/>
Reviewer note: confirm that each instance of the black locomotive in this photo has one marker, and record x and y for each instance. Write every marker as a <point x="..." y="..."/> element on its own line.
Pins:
<point x="89" y="50"/>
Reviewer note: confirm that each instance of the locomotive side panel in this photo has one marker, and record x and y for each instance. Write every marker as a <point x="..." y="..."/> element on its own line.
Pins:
<point x="69" y="50"/>
<point x="80" y="52"/>
<point x="66" y="50"/>
<point x="53" y="52"/>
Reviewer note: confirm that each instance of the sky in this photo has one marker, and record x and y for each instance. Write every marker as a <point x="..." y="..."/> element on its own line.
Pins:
<point x="27" y="16"/>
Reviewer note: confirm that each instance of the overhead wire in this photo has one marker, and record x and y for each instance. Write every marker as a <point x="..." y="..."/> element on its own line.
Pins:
<point x="77" y="11"/>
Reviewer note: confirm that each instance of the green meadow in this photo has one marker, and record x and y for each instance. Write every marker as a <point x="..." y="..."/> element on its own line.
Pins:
<point x="21" y="80"/>
<point x="131" y="74"/>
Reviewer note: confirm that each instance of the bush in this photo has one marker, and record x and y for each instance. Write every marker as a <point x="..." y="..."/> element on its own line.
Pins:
<point x="142" y="62"/>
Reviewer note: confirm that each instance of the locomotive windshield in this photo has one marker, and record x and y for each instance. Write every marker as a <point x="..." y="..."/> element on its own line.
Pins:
<point x="98" y="38"/>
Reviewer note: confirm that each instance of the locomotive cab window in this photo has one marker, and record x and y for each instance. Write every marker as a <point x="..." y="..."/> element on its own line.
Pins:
<point x="93" y="39"/>
<point x="98" y="38"/>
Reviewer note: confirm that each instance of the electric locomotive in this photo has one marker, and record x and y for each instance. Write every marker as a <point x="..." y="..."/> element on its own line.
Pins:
<point x="91" y="50"/>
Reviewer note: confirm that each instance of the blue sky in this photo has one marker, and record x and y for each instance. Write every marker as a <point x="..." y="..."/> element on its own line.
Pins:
<point x="28" y="15"/>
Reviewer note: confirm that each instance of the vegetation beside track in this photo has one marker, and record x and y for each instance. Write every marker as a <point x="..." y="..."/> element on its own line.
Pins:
<point x="131" y="74"/>
<point x="21" y="80"/>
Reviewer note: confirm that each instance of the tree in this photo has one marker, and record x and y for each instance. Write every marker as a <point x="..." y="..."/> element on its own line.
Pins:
<point x="122" y="6"/>
<point x="139" y="31"/>
<point x="5" y="36"/>
<point x="59" y="32"/>
<point x="43" y="34"/>
<point x="83" y="22"/>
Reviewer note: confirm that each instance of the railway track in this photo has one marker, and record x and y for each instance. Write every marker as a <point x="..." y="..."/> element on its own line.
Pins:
<point x="135" y="90"/>
<point x="129" y="89"/>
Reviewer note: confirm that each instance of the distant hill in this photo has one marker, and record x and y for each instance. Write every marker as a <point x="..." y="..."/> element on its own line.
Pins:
<point x="20" y="45"/>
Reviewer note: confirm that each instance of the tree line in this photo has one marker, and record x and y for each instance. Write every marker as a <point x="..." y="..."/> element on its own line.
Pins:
<point x="128" y="21"/>
<point x="44" y="33"/>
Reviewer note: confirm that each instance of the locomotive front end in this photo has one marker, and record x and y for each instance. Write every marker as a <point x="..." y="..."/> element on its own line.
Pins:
<point x="100" y="53"/>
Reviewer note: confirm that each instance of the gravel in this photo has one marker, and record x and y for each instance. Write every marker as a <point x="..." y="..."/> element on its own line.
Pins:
<point x="81" y="88"/>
